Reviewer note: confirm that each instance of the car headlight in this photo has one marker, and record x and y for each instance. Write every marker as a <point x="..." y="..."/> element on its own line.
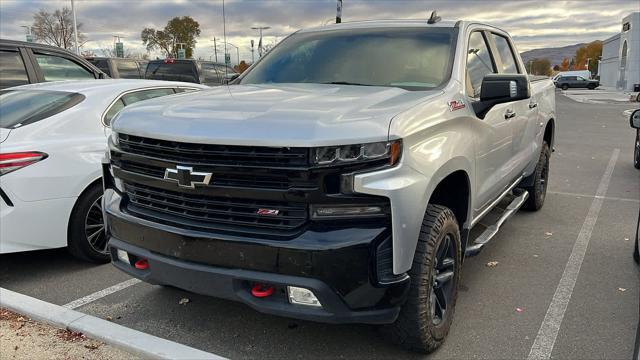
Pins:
<point x="340" y="155"/>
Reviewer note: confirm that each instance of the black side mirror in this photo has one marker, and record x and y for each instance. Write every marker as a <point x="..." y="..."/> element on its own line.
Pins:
<point x="501" y="88"/>
<point x="634" y="119"/>
<point x="101" y="75"/>
<point x="229" y="78"/>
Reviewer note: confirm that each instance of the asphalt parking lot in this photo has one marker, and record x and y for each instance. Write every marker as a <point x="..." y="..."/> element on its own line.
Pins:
<point x="594" y="147"/>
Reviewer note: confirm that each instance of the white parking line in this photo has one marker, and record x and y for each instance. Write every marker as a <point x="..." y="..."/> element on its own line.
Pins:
<point x="593" y="196"/>
<point x="100" y="294"/>
<point x="546" y="338"/>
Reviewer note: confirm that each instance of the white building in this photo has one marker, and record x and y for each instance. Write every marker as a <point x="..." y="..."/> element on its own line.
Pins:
<point x="620" y="64"/>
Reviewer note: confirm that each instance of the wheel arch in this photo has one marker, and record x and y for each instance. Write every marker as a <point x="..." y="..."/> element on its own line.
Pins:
<point x="94" y="182"/>
<point x="549" y="132"/>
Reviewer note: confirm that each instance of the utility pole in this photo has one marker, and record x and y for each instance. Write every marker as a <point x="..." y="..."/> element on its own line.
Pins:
<point x="75" y="26"/>
<point x="252" y="57"/>
<point x="215" y="48"/>
<point x="339" y="12"/>
<point x="260" y="28"/>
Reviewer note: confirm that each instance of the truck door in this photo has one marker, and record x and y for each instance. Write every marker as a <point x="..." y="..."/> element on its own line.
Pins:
<point x="525" y="112"/>
<point x="494" y="140"/>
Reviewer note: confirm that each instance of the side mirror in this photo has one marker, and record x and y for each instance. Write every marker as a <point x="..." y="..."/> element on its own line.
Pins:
<point x="501" y="88"/>
<point x="228" y="79"/>
<point x="101" y="75"/>
<point x="634" y="119"/>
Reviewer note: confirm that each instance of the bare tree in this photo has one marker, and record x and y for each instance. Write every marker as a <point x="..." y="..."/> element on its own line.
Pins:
<point x="56" y="28"/>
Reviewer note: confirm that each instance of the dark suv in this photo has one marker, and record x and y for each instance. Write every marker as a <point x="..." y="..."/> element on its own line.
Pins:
<point x="565" y="82"/>
<point x="120" y="68"/>
<point x="28" y="63"/>
<point x="195" y="71"/>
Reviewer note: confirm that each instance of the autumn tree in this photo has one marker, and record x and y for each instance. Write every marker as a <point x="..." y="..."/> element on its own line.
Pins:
<point x="179" y="30"/>
<point x="56" y="28"/>
<point x="241" y="67"/>
<point x="564" y="66"/>
<point x="591" y="53"/>
<point x="540" y="67"/>
<point x="556" y="67"/>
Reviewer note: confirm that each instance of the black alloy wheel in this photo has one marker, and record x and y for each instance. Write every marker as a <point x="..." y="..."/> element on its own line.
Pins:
<point x="443" y="280"/>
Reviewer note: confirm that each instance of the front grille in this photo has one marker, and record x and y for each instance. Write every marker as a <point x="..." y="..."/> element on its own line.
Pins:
<point x="238" y="178"/>
<point x="206" y="154"/>
<point x="208" y="213"/>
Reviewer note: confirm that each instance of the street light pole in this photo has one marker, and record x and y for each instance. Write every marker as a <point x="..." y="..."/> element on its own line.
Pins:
<point x="215" y="48"/>
<point x="237" y="51"/>
<point x="339" y="12"/>
<point x="260" y="28"/>
<point x="75" y="26"/>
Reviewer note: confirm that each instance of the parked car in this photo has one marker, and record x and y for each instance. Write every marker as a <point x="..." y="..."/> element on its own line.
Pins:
<point x="119" y="68"/>
<point x="195" y="71"/>
<point x="52" y="140"/>
<point x="339" y="178"/>
<point x="566" y="82"/>
<point x="583" y="73"/>
<point x="29" y="63"/>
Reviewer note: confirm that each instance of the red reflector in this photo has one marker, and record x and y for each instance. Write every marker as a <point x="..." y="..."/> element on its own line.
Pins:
<point x="141" y="264"/>
<point x="261" y="290"/>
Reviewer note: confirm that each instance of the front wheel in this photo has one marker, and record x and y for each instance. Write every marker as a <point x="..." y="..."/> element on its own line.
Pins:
<point x="565" y="87"/>
<point x="539" y="181"/>
<point x="425" y="318"/>
<point x="86" y="237"/>
<point x="636" y="151"/>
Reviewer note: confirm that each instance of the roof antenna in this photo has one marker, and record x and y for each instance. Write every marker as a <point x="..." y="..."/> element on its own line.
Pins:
<point x="434" y="18"/>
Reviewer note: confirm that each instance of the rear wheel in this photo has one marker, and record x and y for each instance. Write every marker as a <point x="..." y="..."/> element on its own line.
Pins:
<point x="425" y="318"/>
<point x="87" y="239"/>
<point x="565" y="86"/>
<point x="538" y="180"/>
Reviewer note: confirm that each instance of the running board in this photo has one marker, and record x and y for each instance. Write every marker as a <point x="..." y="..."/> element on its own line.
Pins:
<point x="499" y="214"/>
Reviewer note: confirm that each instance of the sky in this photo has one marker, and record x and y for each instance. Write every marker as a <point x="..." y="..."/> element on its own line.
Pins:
<point x="532" y="23"/>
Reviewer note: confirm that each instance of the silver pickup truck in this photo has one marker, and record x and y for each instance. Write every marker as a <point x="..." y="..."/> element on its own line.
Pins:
<point x="343" y="178"/>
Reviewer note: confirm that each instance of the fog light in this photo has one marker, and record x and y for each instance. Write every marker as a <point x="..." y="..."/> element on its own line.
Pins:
<point x="346" y="211"/>
<point x="302" y="296"/>
<point x="123" y="256"/>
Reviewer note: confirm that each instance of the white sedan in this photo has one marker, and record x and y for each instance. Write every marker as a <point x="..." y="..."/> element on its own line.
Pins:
<point x="52" y="140"/>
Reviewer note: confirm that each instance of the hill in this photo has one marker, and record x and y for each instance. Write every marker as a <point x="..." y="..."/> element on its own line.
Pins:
<point x="555" y="55"/>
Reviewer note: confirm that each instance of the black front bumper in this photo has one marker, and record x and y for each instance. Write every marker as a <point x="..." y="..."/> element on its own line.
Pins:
<point x="342" y="266"/>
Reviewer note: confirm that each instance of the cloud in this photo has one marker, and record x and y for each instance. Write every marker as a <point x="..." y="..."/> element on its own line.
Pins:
<point x="532" y="23"/>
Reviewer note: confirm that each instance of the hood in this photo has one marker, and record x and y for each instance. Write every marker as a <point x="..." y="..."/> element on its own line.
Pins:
<point x="295" y="115"/>
<point x="4" y="134"/>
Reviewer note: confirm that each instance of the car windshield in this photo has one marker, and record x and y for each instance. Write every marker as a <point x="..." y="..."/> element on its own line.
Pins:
<point x="172" y="70"/>
<point x="22" y="107"/>
<point x="413" y="59"/>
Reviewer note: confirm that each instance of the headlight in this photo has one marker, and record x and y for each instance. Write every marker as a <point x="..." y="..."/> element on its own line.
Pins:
<point x="340" y="155"/>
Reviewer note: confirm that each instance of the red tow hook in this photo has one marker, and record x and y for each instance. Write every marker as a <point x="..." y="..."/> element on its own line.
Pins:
<point x="141" y="264"/>
<point x="261" y="290"/>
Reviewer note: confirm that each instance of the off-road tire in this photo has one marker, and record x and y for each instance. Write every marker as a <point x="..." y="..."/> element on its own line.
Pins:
<point x="414" y="328"/>
<point x="539" y="181"/>
<point x="565" y="87"/>
<point x="78" y="244"/>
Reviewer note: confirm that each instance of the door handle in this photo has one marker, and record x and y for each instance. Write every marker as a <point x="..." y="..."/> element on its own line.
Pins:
<point x="533" y="105"/>
<point x="509" y="114"/>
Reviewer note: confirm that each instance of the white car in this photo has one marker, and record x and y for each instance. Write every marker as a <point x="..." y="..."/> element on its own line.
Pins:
<point x="52" y="140"/>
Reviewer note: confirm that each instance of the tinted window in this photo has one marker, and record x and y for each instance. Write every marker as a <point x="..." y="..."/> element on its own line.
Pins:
<point x="414" y="59"/>
<point x="12" y="71"/>
<point x="176" y="71"/>
<point x="56" y="68"/>
<point x="134" y="97"/>
<point x="113" y="110"/>
<point x="211" y="75"/>
<point x="571" y="78"/>
<point x="127" y="69"/>
<point x="479" y="62"/>
<point x="579" y="78"/>
<point x="506" y="55"/>
<point x="22" y="107"/>
<point x="102" y="64"/>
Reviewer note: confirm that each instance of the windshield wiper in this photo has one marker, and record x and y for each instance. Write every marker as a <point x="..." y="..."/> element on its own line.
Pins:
<point x="345" y="83"/>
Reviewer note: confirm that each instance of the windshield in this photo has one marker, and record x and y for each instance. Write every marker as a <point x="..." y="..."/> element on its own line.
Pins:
<point x="413" y="59"/>
<point x="172" y="70"/>
<point x="22" y="107"/>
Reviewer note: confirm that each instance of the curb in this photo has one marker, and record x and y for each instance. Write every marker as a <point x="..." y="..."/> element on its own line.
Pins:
<point x="133" y="341"/>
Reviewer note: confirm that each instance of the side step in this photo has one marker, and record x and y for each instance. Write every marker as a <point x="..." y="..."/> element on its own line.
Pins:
<point x="501" y="213"/>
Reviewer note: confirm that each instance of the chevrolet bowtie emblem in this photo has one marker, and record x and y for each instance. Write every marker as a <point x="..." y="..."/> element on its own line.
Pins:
<point x="186" y="177"/>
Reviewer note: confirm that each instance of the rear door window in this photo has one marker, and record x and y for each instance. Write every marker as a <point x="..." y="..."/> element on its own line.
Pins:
<point x="22" y="107"/>
<point x="132" y="98"/>
<point x="55" y="68"/>
<point x="508" y="59"/>
<point x="103" y="65"/>
<point x="12" y="70"/>
<point x="127" y="69"/>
